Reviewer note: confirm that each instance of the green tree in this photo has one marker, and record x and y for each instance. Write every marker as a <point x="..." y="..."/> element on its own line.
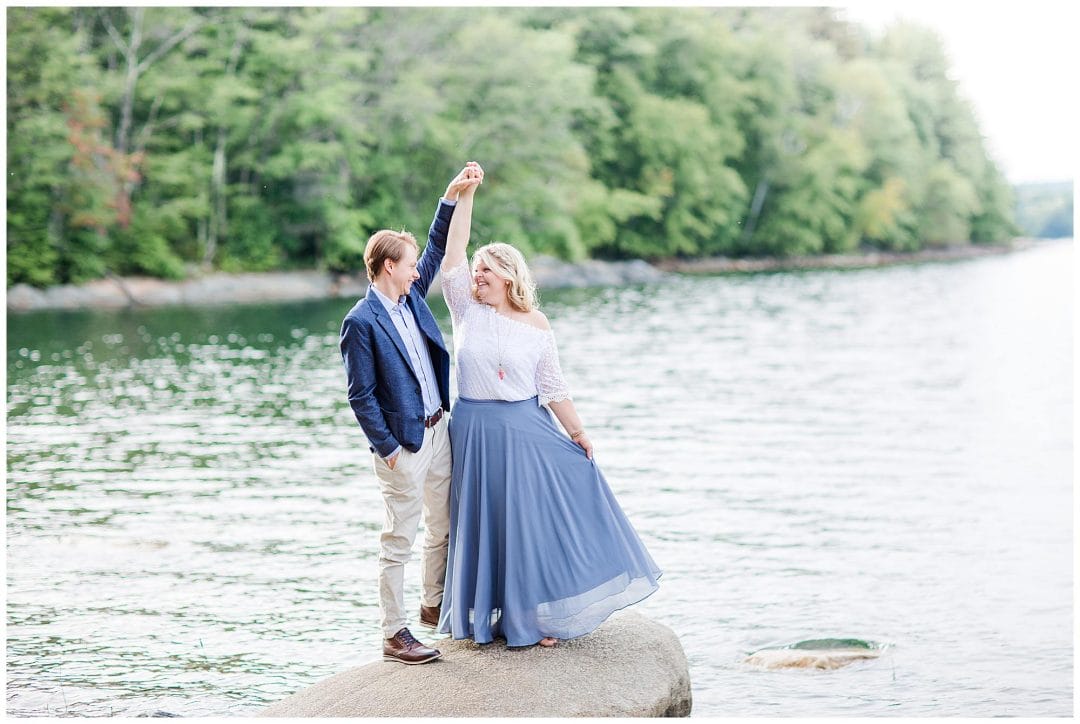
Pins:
<point x="66" y="182"/>
<point x="958" y="194"/>
<point x="159" y="140"/>
<point x="665" y="155"/>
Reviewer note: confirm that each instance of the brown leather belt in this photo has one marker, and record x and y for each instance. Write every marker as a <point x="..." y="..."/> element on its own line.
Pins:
<point x="434" y="419"/>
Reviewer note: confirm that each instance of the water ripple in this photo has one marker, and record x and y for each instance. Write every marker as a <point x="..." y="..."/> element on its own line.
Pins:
<point x="877" y="454"/>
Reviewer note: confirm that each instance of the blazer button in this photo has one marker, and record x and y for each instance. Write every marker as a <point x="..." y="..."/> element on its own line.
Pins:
<point x="420" y="418"/>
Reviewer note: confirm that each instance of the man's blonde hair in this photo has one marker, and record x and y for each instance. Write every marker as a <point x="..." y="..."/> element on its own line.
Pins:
<point x="383" y="245"/>
<point x="509" y="264"/>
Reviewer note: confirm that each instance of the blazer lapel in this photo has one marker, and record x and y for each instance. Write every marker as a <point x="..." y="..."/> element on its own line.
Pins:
<point x="383" y="318"/>
<point x="421" y="320"/>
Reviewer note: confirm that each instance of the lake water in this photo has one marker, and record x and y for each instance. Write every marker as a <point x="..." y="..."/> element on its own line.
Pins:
<point x="883" y="454"/>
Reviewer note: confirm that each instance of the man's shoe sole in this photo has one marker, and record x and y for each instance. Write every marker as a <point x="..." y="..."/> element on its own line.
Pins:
<point x="410" y="663"/>
<point x="425" y="624"/>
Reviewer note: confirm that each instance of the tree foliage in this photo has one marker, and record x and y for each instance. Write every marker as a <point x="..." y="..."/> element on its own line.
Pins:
<point x="167" y="139"/>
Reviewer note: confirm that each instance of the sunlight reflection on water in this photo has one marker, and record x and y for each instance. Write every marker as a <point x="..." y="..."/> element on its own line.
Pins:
<point x="881" y="454"/>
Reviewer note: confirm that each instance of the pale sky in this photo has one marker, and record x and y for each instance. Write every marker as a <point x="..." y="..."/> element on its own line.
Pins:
<point x="1017" y="63"/>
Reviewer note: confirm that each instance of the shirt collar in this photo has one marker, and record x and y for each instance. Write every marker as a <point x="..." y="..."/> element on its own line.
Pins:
<point x="390" y="304"/>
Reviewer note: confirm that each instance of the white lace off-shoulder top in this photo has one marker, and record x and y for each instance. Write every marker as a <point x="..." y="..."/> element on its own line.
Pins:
<point x="499" y="358"/>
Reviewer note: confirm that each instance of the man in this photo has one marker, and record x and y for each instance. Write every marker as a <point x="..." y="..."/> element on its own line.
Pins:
<point x="398" y="373"/>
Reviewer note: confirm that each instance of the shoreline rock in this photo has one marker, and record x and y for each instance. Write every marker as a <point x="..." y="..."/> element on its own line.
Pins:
<point x="259" y="287"/>
<point x="821" y="654"/>
<point x="630" y="666"/>
<point x="821" y="660"/>
<point x="864" y="260"/>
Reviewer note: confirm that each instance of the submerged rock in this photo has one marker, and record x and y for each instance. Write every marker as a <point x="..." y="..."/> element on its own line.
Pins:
<point x="815" y="654"/>
<point x="630" y="666"/>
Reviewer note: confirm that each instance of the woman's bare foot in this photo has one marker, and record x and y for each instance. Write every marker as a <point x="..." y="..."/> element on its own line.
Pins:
<point x="548" y="642"/>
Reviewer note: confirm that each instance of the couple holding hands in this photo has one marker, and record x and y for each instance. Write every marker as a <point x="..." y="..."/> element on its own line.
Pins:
<point x="524" y="538"/>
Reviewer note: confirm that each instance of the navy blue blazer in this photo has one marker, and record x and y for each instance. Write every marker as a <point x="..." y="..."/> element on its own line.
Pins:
<point x="384" y="392"/>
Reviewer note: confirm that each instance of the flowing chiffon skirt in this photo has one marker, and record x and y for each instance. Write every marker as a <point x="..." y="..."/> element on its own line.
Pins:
<point x="538" y="544"/>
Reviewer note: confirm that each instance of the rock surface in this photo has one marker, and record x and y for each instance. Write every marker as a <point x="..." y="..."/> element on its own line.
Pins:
<point x="857" y="260"/>
<point x="630" y="666"/>
<point x="809" y="659"/>
<point x="549" y="273"/>
<point x="218" y="288"/>
<point x="816" y="654"/>
<point x="552" y="273"/>
<point x="223" y="288"/>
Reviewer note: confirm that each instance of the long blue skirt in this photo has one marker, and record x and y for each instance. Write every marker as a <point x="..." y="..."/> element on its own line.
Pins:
<point x="538" y="545"/>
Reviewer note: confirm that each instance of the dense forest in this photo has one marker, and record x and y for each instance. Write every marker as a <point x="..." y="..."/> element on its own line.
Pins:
<point x="164" y="140"/>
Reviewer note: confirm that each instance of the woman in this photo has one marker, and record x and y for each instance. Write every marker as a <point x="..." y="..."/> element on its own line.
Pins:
<point x="539" y="548"/>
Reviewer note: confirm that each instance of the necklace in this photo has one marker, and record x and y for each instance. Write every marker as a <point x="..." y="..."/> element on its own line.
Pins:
<point x="498" y="341"/>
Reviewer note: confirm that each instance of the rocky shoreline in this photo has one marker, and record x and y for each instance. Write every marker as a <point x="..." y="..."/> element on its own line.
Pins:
<point x="255" y="288"/>
<point x="863" y="260"/>
<point x="262" y="287"/>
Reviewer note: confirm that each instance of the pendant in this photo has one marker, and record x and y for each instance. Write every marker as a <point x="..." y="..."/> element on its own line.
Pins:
<point x="502" y="375"/>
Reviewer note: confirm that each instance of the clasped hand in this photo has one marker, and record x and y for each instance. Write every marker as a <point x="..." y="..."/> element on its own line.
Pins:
<point x="465" y="182"/>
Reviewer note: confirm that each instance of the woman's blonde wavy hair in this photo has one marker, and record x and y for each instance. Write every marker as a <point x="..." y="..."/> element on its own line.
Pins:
<point x="509" y="264"/>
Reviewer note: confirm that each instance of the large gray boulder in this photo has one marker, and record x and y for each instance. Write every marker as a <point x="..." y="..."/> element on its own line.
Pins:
<point x="630" y="666"/>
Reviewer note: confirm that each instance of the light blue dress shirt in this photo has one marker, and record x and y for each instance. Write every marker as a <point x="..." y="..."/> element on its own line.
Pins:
<point x="419" y="356"/>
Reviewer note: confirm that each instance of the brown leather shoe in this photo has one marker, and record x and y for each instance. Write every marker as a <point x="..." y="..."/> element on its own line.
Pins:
<point x="406" y="649"/>
<point x="429" y="615"/>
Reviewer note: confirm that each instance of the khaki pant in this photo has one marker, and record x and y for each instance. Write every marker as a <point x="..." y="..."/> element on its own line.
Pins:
<point x="419" y="482"/>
